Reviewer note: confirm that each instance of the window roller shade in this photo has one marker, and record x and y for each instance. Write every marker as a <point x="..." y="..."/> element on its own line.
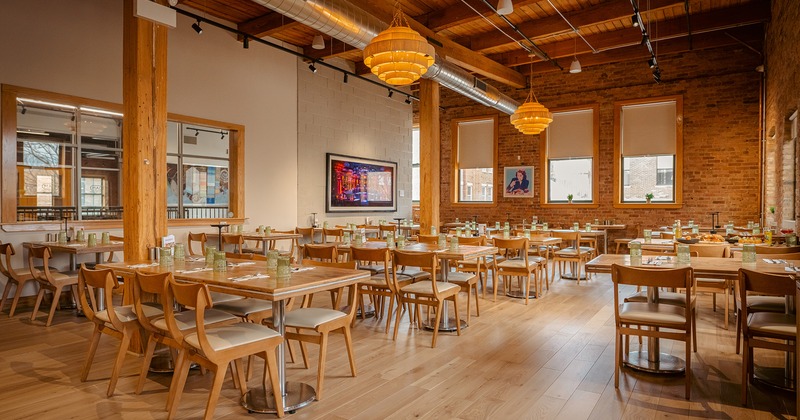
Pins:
<point x="649" y="129"/>
<point x="571" y="135"/>
<point x="476" y="144"/>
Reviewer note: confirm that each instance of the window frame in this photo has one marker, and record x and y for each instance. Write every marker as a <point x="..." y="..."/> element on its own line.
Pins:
<point x="454" y="191"/>
<point x="8" y="192"/>
<point x="416" y="164"/>
<point x="544" y="183"/>
<point x="678" y="168"/>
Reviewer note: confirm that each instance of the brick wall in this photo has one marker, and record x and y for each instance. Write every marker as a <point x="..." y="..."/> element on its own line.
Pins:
<point x="720" y="91"/>
<point x="782" y="99"/>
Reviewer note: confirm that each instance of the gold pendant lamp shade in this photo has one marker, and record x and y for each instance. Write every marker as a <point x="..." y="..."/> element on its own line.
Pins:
<point x="399" y="55"/>
<point x="531" y="117"/>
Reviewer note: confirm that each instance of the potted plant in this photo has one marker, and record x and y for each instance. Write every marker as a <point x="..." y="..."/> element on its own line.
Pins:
<point x="772" y="209"/>
<point x="648" y="197"/>
<point x="569" y="198"/>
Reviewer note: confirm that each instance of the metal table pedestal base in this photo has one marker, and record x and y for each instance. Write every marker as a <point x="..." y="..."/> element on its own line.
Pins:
<point x="260" y="400"/>
<point x="666" y="363"/>
<point x="773" y="377"/>
<point x="519" y="294"/>
<point x="445" y="325"/>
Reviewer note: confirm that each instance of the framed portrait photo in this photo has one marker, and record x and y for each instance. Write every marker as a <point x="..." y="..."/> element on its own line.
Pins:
<point x="518" y="181"/>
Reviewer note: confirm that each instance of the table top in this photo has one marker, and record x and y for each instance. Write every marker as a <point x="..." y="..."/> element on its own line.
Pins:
<point x="534" y="239"/>
<point x="703" y="266"/>
<point x="609" y="227"/>
<point x="77" y="247"/>
<point x="464" y="252"/>
<point x="309" y="279"/>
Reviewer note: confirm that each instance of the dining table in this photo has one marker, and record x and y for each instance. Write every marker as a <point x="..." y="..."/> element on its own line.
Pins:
<point x="706" y="267"/>
<point x="249" y="278"/>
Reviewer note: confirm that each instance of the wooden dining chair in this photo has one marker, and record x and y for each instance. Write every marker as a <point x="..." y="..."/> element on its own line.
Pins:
<point x="767" y="330"/>
<point x="321" y="252"/>
<point x="15" y="277"/>
<point x="766" y="249"/>
<point x="215" y="348"/>
<point x="572" y="253"/>
<point x="710" y="285"/>
<point x="150" y="314"/>
<point x="427" y="239"/>
<point x="332" y="235"/>
<point x="233" y="239"/>
<point x="115" y="321"/>
<point x="379" y="287"/>
<point x="431" y="293"/>
<point x="201" y="239"/>
<point x="314" y="325"/>
<point x="49" y="280"/>
<point x="384" y="229"/>
<point x="654" y="320"/>
<point x="477" y="266"/>
<point x="517" y="263"/>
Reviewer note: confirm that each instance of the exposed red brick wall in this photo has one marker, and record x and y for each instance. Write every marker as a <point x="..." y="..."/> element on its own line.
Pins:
<point x="782" y="98"/>
<point x="720" y="91"/>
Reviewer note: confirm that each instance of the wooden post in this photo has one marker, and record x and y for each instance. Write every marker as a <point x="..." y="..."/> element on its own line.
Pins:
<point x="144" y="133"/>
<point x="429" y="155"/>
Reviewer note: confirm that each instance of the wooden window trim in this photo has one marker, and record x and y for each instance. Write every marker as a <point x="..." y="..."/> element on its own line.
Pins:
<point x="8" y="192"/>
<point x="544" y="185"/>
<point x="678" y="175"/>
<point x="454" y="160"/>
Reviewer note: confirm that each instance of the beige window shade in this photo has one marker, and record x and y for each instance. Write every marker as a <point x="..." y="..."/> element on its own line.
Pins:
<point x="476" y="144"/>
<point x="649" y="129"/>
<point x="571" y="135"/>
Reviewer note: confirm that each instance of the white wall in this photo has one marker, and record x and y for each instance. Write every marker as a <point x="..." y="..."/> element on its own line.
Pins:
<point x="75" y="47"/>
<point x="354" y="119"/>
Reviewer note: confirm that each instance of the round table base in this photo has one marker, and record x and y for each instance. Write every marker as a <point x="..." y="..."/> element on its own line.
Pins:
<point x="666" y="363"/>
<point x="162" y="363"/>
<point x="571" y="276"/>
<point x="260" y="400"/>
<point x="773" y="377"/>
<point x="519" y="294"/>
<point x="369" y="311"/>
<point x="446" y="325"/>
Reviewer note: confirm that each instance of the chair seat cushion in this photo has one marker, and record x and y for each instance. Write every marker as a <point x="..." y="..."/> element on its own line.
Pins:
<point x="719" y="283"/>
<point x="772" y="323"/>
<point x="244" y="307"/>
<point x="668" y="298"/>
<point x="152" y="309"/>
<point x="414" y="273"/>
<point x="311" y="317"/>
<point x="426" y="287"/>
<point x="22" y="273"/>
<point x="459" y="278"/>
<point x="64" y="276"/>
<point x="622" y="240"/>
<point x="378" y="280"/>
<point x="233" y="335"/>
<point x="766" y="304"/>
<point x="124" y="313"/>
<point x="651" y="313"/>
<point x="374" y="268"/>
<point x="219" y="297"/>
<point x="186" y="319"/>
<point x="519" y="264"/>
<point x="571" y="252"/>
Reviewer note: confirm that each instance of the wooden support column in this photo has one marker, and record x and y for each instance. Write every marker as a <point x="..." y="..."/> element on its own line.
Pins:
<point x="144" y="133"/>
<point x="429" y="155"/>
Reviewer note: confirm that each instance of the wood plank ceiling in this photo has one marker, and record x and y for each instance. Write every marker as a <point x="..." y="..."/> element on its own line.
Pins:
<point x="603" y="31"/>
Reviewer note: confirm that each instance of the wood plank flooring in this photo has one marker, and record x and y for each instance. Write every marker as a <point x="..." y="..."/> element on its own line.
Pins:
<point x="552" y="359"/>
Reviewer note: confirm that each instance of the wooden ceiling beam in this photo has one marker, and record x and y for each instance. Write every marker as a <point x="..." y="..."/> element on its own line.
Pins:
<point x="267" y="25"/>
<point x="732" y="17"/>
<point x="333" y="48"/>
<point x="554" y="24"/>
<point x="448" y="49"/>
<point x="460" y="13"/>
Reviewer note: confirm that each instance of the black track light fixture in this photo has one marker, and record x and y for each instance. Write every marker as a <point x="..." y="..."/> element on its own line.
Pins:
<point x="246" y="43"/>
<point x="24" y="110"/>
<point x="635" y="20"/>
<point x="408" y="100"/>
<point x="312" y="67"/>
<point x="657" y="75"/>
<point x="391" y="92"/>
<point x="345" y="78"/>
<point x="197" y="28"/>
<point x="651" y="62"/>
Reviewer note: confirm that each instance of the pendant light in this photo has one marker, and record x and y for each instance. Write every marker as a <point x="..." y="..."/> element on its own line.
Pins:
<point x="399" y="55"/>
<point x="575" y="67"/>
<point x="505" y="7"/>
<point x="531" y="117"/>
<point x="319" y="43"/>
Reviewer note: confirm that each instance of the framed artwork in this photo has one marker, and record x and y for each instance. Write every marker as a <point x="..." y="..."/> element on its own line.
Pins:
<point x="360" y="184"/>
<point x="518" y="181"/>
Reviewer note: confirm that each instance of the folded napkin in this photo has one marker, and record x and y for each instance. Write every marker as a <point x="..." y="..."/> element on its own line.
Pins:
<point x="299" y="269"/>
<point x="792" y="269"/>
<point x="249" y="277"/>
<point x="143" y="265"/>
<point x="651" y="262"/>
<point x="194" y="270"/>
<point x="195" y="259"/>
<point x="233" y="264"/>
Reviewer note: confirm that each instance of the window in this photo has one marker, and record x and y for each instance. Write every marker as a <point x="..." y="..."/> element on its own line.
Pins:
<point x="474" y="158"/>
<point x="415" y="188"/>
<point x="648" y="151"/>
<point x="788" y="170"/>
<point x="68" y="155"/>
<point x="570" y="156"/>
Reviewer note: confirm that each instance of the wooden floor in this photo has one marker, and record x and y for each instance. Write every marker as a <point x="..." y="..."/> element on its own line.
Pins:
<point x="552" y="359"/>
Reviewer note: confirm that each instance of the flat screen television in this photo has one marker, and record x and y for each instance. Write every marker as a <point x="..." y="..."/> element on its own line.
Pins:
<point x="360" y="184"/>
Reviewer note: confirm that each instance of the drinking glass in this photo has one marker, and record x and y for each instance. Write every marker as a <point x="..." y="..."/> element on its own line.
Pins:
<point x="272" y="259"/>
<point x="359" y="240"/>
<point x="79" y="235"/>
<point x="442" y="241"/>
<point x="283" y="269"/>
<point x="506" y="233"/>
<point x="346" y="238"/>
<point x="62" y="237"/>
<point x="165" y="256"/>
<point x="527" y="233"/>
<point x="791" y="239"/>
<point x="588" y="227"/>
<point x="106" y="238"/>
<point x="648" y="236"/>
<point x="576" y="226"/>
<point x="220" y="262"/>
<point x="211" y="252"/>
<point x="683" y="254"/>
<point x="497" y="225"/>
<point x="390" y="240"/>
<point x="91" y="240"/>
<point x="544" y="226"/>
<point x="433" y="230"/>
<point x="401" y="242"/>
<point x="748" y="254"/>
<point x="454" y="244"/>
<point x="635" y="249"/>
<point x="179" y="253"/>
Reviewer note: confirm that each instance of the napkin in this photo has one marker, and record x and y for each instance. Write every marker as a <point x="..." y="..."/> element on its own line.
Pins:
<point x="249" y="277"/>
<point x="233" y="264"/>
<point x="143" y="265"/>
<point x="194" y="270"/>
<point x="299" y="269"/>
<point x="792" y="269"/>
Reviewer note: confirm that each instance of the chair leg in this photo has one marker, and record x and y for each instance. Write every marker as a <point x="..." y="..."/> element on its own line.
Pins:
<point x="323" y="352"/>
<point x="123" y="349"/>
<point x="617" y="358"/>
<point x="56" y="298"/>
<point x="216" y="388"/>
<point x="436" y="324"/>
<point x="148" y="357"/>
<point x="738" y="330"/>
<point x="727" y="305"/>
<point x="6" y="291"/>
<point x="688" y="365"/>
<point x="348" y="343"/>
<point x="178" y="382"/>
<point x="455" y="309"/>
<point x="469" y="292"/>
<point x="745" y="366"/>
<point x="477" y="305"/>
<point x="17" y="295"/>
<point x="389" y="314"/>
<point x="39" y="297"/>
<point x="271" y="368"/>
<point x="694" y="330"/>
<point x="90" y="355"/>
<point x="397" y="317"/>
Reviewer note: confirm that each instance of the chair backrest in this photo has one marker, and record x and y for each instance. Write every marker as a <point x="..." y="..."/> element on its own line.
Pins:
<point x="197" y="237"/>
<point x="711" y="250"/>
<point x="88" y="282"/>
<point x="321" y="252"/>
<point x="308" y="235"/>
<point x="232" y="239"/>
<point x="512" y="248"/>
<point x="346" y="264"/>
<point x="667" y="234"/>
<point x="567" y="236"/>
<point x="766" y="249"/>
<point x="792" y="256"/>
<point x="238" y="255"/>
<point x="5" y="262"/>
<point x="383" y="229"/>
<point x="676" y="278"/>
<point x="476" y="241"/>
<point x="427" y="239"/>
<point x="195" y="295"/>
<point x="148" y="284"/>
<point x="429" y="260"/>
<point x="40" y="253"/>
<point x="336" y="233"/>
<point x="368" y="258"/>
<point x="762" y="284"/>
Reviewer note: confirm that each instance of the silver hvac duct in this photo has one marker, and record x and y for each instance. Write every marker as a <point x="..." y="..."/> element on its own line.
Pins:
<point x="352" y="25"/>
